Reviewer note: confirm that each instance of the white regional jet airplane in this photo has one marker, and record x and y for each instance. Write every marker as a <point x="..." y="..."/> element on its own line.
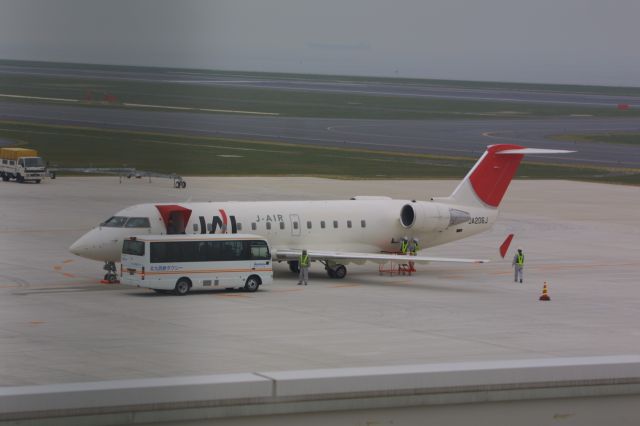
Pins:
<point x="335" y="232"/>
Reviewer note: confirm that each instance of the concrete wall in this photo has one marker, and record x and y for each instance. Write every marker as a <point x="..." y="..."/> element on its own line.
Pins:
<point x="566" y="391"/>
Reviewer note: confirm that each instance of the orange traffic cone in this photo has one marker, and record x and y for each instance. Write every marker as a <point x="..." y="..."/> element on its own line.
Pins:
<point x="545" y="294"/>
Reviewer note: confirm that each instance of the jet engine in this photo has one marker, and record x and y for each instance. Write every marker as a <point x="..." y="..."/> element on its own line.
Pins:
<point x="422" y="215"/>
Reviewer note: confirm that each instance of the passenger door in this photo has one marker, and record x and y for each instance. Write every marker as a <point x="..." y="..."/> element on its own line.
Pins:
<point x="295" y="224"/>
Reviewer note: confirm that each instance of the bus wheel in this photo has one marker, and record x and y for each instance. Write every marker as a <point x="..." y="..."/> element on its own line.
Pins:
<point x="182" y="287"/>
<point x="252" y="284"/>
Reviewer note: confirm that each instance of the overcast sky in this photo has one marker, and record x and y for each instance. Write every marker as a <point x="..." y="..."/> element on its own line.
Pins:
<point x="557" y="41"/>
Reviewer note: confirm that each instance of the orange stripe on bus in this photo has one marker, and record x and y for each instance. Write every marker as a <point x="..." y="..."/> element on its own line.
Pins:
<point x="206" y="271"/>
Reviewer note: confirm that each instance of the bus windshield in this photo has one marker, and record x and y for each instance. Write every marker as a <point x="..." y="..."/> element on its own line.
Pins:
<point x="133" y="247"/>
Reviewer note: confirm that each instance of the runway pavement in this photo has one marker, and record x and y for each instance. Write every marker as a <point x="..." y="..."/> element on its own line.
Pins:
<point x="444" y="137"/>
<point x="403" y="88"/>
<point x="58" y="324"/>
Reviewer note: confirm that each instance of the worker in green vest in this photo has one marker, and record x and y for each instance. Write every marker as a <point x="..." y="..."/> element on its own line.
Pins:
<point x="303" y="263"/>
<point x="518" y="264"/>
<point x="414" y="247"/>
<point x="404" y="246"/>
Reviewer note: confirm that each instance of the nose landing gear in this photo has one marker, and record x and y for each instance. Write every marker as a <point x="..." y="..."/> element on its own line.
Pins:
<point x="111" y="277"/>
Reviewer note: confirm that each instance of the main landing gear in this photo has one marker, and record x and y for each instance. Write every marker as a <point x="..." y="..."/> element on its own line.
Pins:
<point x="335" y="270"/>
<point x="111" y="276"/>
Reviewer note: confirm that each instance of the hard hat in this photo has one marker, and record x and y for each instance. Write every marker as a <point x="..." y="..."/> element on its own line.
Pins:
<point x="405" y="239"/>
<point x="519" y="248"/>
<point x="415" y="240"/>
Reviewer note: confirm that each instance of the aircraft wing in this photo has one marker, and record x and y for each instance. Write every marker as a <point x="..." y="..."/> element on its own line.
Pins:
<point x="127" y="172"/>
<point x="294" y="254"/>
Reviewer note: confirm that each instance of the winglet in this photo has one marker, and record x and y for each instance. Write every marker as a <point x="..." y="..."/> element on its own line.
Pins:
<point x="505" y="245"/>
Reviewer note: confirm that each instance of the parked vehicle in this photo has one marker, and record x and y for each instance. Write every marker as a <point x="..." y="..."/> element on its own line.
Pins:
<point x="178" y="263"/>
<point x="22" y="165"/>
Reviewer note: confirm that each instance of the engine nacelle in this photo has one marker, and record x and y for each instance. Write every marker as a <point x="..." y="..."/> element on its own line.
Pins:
<point x="424" y="216"/>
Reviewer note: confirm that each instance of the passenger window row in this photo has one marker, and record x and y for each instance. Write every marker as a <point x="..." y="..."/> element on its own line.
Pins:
<point x="296" y="225"/>
<point x="268" y="226"/>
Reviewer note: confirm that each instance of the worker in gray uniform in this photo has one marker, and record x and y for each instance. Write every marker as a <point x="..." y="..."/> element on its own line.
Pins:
<point x="303" y="263"/>
<point x="518" y="264"/>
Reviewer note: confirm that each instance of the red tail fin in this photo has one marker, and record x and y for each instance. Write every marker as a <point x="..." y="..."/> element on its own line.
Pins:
<point x="491" y="177"/>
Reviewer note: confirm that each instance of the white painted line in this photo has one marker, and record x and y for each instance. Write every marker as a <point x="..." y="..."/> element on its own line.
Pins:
<point x="199" y="109"/>
<point x="215" y="81"/>
<point x="127" y="104"/>
<point x="230" y="156"/>
<point x="157" y="106"/>
<point x="37" y="97"/>
<point x="238" y="112"/>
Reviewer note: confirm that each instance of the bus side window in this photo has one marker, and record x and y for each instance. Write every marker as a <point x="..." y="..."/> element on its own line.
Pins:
<point x="202" y="251"/>
<point x="158" y="252"/>
<point x="214" y="250"/>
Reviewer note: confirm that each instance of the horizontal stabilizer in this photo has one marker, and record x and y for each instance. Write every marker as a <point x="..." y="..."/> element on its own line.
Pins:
<point x="534" y="151"/>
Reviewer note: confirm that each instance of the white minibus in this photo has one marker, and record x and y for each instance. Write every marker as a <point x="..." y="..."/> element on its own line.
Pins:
<point x="178" y="263"/>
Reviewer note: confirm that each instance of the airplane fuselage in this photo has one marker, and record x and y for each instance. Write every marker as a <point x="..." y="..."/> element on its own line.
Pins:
<point x="369" y="225"/>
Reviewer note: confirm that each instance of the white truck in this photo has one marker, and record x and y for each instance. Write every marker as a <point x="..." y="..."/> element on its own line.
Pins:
<point x="21" y="164"/>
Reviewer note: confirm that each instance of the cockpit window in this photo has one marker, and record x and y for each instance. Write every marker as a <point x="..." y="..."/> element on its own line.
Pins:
<point x="138" y="222"/>
<point x="114" y="222"/>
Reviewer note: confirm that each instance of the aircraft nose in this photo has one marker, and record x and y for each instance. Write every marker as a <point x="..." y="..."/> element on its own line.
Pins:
<point x="94" y="245"/>
<point x="80" y="246"/>
<point x="84" y="246"/>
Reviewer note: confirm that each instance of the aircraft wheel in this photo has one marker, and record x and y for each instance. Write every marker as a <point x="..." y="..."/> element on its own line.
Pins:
<point x="182" y="287"/>
<point x="331" y="273"/>
<point x="111" y="278"/>
<point x="340" y="272"/>
<point x="252" y="284"/>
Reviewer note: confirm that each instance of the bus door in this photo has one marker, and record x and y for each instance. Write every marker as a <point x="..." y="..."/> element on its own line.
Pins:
<point x="295" y="225"/>
<point x="175" y="218"/>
